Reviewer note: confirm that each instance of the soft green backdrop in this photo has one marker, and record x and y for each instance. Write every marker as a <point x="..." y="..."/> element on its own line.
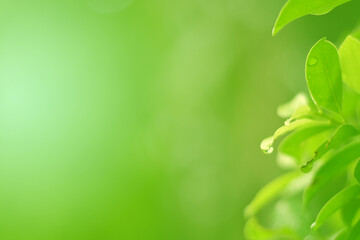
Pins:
<point x="134" y="119"/>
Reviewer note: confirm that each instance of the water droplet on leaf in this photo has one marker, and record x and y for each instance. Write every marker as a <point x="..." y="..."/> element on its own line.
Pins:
<point x="312" y="61"/>
<point x="269" y="150"/>
<point x="266" y="145"/>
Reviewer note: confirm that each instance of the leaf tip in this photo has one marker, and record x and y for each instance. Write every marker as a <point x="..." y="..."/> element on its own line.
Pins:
<point x="314" y="226"/>
<point x="274" y="31"/>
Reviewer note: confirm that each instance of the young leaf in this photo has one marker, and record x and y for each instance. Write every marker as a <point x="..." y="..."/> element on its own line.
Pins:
<point x="349" y="53"/>
<point x="254" y="231"/>
<point x="269" y="192"/>
<point x="288" y="109"/>
<point x="267" y="144"/>
<point x="334" y="166"/>
<point x="323" y="76"/>
<point x="295" y="9"/>
<point x="303" y="112"/>
<point x="340" y="137"/>
<point x="334" y="204"/>
<point x="302" y="143"/>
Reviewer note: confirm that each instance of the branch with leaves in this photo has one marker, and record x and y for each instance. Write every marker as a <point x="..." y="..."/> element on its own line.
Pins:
<point x="319" y="198"/>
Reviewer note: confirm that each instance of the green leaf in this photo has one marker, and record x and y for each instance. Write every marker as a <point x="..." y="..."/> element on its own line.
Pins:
<point x="349" y="53"/>
<point x="357" y="172"/>
<point x="288" y="109"/>
<point x="341" y="235"/>
<point x="340" y="137"/>
<point x="301" y="144"/>
<point x="323" y="76"/>
<point x="269" y="192"/>
<point x="349" y="212"/>
<point x="294" y="9"/>
<point x="335" y="165"/>
<point x="267" y="144"/>
<point x="336" y="203"/>
<point x="302" y="112"/>
<point x="354" y="233"/>
<point x="254" y="231"/>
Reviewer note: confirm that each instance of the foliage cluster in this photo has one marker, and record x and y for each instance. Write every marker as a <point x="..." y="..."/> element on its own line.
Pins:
<point x="319" y="196"/>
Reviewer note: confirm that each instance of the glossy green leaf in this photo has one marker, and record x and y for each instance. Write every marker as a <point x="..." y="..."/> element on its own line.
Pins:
<point x="336" y="203"/>
<point x="267" y="144"/>
<point x="269" y="192"/>
<point x="323" y="76"/>
<point x="335" y="165"/>
<point x="349" y="53"/>
<point x="294" y="9"/>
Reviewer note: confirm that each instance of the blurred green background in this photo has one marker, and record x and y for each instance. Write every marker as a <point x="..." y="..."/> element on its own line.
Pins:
<point x="134" y="119"/>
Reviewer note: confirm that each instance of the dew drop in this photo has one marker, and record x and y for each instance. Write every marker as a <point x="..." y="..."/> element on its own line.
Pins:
<point x="312" y="61"/>
<point x="267" y="145"/>
<point x="269" y="150"/>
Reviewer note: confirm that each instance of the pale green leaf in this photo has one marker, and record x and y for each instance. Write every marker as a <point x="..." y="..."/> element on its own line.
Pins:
<point x="349" y="53"/>
<point x="255" y="231"/>
<point x="267" y="144"/>
<point x="269" y="192"/>
<point x="294" y="9"/>
<point x="303" y="112"/>
<point x="323" y="76"/>
<point x="336" y="203"/>
<point x="288" y="109"/>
